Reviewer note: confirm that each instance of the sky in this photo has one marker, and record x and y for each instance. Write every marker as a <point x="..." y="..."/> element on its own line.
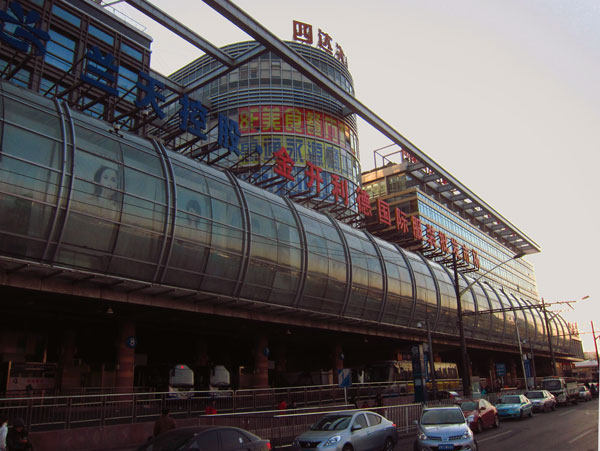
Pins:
<point x="504" y="95"/>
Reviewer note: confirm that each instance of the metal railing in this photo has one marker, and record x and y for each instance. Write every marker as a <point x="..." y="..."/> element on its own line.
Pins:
<point x="63" y="412"/>
<point x="282" y="428"/>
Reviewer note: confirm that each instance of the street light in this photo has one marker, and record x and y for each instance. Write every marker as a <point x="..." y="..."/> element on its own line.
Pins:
<point x="431" y="362"/>
<point x="463" y="343"/>
<point x="521" y="352"/>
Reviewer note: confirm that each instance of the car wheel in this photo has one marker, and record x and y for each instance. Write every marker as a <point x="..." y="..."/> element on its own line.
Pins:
<point x="347" y="448"/>
<point x="553" y="407"/>
<point x="520" y="414"/>
<point x="496" y="421"/>
<point x="479" y="426"/>
<point x="531" y="413"/>
<point x="389" y="445"/>
<point x="415" y="446"/>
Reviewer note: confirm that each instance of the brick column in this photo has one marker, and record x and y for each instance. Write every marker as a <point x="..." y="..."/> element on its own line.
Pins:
<point x="125" y="353"/>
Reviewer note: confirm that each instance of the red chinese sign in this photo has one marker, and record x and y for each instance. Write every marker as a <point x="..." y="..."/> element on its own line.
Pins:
<point x="303" y="32"/>
<point x="296" y="120"/>
<point x="432" y="237"/>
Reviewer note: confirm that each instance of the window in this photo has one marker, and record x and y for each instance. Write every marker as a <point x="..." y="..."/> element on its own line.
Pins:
<point x="206" y="441"/>
<point x="60" y="51"/>
<point x="373" y="419"/>
<point x="127" y="49"/>
<point x="360" y="421"/>
<point x="58" y="11"/>
<point x="232" y="439"/>
<point x="103" y="36"/>
<point x="127" y="80"/>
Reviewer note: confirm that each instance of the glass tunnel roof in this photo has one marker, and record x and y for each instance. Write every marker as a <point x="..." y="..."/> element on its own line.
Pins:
<point x="77" y="194"/>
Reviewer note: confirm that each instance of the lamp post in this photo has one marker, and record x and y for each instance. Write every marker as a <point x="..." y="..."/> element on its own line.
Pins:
<point x="521" y="352"/>
<point x="549" y="335"/>
<point x="463" y="343"/>
<point x="431" y="362"/>
<point x="595" y="344"/>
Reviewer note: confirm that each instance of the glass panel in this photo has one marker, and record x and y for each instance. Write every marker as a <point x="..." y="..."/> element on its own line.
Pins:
<point x="32" y="118"/>
<point x="58" y="11"/>
<point x="102" y="35"/>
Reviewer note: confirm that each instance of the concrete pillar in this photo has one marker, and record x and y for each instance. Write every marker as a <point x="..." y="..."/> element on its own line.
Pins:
<point x="126" y="341"/>
<point x="68" y="375"/>
<point x="337" y="362"/>
<point x="261" y="362"/>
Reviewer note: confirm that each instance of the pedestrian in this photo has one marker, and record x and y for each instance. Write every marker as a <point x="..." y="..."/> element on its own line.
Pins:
<point x="164" y="423"/>
<point x="282" y="405"/>
<point x="3" y="432"/>
<point x="18" y="437"/>
<point x="211" y="409"/>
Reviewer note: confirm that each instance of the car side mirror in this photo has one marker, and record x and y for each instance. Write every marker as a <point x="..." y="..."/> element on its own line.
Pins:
<point x="481" y="408"/>
<point x="356" y="427"/>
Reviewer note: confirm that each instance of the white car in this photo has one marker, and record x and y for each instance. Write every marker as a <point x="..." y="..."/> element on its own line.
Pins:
<point x="584" y="393"/>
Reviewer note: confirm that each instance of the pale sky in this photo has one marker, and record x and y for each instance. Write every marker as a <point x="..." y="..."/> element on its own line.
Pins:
<point x="504" y="94"/>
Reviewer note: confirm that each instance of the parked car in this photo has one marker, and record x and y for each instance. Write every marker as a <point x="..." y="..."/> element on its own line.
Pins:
<point x="213" y="438"/>
<point x="444" y="428"/>
<point x="449" y="394"/>
<point x="584" y="393"/>
<point x="479" y="414"/>
<point x="341" y="431"/>
<point x="542" y="400"/>
<point x="514" y="406"/>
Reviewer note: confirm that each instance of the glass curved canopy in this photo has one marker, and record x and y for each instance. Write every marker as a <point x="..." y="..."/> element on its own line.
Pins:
<point x="77" y="194"/>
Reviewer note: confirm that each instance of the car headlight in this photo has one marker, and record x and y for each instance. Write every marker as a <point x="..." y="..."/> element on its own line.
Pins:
<point x="332" y="440"/>
<point x="467" y="434"/>
<point x="422" y="436"/>
<point x="470" y="418"/>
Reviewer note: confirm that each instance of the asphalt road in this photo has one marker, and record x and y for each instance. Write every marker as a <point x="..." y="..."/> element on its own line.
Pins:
<point x="573" y="428"/>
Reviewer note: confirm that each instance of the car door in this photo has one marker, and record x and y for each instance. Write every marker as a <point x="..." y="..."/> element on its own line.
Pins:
<point x="484" y="413"/>
<point x="234" y="440"/>
<point x="376" y="431"/>
<point x="207" y="441"/>
<point x="360" y="433"/>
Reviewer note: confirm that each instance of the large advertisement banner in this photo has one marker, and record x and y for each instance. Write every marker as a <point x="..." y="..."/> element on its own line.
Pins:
<point x="294" y="120"/>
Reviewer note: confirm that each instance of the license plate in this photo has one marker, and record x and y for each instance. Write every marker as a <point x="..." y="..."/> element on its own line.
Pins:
<point x="445" y="447"/>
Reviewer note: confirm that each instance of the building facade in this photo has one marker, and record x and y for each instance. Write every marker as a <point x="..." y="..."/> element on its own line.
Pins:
<point x="121" y="251"/>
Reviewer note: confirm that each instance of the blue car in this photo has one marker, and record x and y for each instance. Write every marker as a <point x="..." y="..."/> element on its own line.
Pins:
<point x="514" y="406"/>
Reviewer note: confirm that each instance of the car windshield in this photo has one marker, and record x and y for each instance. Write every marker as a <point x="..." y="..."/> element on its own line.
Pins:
<point x="581" y="388"/>
<point x="551" y="385"/>
<point x="469" y="405"/>
<point x="534" y="394"/>
<point x="332" y="423"/>
<point x="511" y="400"/>
<point x="446" y="416"/>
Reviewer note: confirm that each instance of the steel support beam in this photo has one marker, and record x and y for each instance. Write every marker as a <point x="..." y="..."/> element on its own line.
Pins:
<point x="181" y="30"/>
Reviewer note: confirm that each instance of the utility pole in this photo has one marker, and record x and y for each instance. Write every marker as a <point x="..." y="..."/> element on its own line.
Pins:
<point x="431" y="360"/>
<point x="521" y="354"/>
<point x="464" y="357"/>
<point x="549" y="335"/>
<point x="595" y="344"/>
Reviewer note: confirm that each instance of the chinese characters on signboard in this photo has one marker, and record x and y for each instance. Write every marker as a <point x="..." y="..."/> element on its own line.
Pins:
<point x="434" y="239"/>
<point x="303" y="33"/>
<point x="18" y="29"/>
<point x="295" y="120"/>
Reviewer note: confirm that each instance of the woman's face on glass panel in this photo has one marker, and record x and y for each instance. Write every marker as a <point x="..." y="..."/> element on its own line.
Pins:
<point x="109" y="179"/>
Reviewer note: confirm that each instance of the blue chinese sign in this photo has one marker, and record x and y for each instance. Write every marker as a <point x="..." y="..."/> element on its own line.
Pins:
<point x="20" y="29"/>
<point x="17" y="29"/>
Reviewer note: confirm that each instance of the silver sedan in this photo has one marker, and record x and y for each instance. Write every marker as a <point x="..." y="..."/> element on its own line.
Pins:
<point x="349" y="430"/>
